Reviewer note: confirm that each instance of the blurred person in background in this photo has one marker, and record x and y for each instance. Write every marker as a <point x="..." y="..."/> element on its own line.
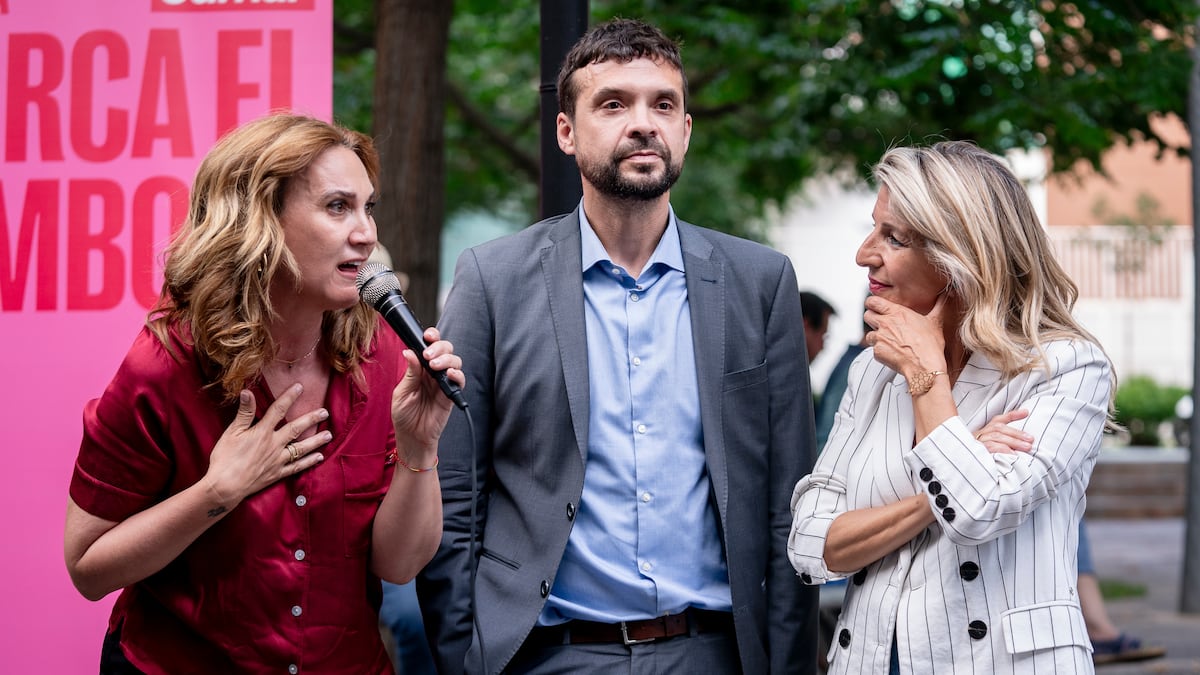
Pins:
<point x="816" y="312"/>
<point x="835" y="387"/>
<point x="1109" y="643"/>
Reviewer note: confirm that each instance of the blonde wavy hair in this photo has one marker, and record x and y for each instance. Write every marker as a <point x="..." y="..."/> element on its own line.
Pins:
<point x="220" y="264"/>
<point x="980" y="230"/>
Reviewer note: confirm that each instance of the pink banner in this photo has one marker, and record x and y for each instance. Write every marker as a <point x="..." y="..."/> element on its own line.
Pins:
<point x="107" y="109"/>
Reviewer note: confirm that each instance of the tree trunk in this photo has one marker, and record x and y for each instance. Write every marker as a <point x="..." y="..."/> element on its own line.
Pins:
<point x="409" y="118"/>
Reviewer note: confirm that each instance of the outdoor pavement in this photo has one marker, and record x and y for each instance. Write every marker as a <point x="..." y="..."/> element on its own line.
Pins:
<point x="1148" y="552"/>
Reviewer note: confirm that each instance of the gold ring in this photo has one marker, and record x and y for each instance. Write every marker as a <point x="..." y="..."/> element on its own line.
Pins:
<point x="291" y="448"/>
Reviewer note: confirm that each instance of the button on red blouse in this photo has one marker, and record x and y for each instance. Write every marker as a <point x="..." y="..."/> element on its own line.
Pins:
<point x="282" y="583"/>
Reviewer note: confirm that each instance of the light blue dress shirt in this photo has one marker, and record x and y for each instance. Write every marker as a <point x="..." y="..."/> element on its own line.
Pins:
<point x="645" y="539"/>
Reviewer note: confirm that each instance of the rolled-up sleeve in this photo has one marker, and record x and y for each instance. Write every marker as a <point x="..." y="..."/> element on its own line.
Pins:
<point x="821" y="496"/>
<point x="817" y="500"/>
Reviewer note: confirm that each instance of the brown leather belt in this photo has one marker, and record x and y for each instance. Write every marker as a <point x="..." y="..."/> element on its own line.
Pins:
<point x="687" y="622"/>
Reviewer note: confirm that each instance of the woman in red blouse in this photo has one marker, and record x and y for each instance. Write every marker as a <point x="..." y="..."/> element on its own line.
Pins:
<point x="237" y="477"/>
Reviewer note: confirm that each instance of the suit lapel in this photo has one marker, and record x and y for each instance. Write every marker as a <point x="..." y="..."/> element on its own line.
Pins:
<point x="561" y="268"/>
<point x="971" y="392"/>
<point x="975" y="386"/>
<point x="705" y="278"/>
<point x="977" y="378"/>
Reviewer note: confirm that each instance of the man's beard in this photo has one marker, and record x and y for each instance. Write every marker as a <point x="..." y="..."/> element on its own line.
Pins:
<point x="606" y="176"/>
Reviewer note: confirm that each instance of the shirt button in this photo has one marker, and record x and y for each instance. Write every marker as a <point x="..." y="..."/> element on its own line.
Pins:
<point x="641" y="428"/>
<point x="646" y="496"/>
<point x="300" y="554"/>
<point x="301" y="500"/>
<point x="968" y="570"/>
<point x="296" y="611"/>
<point x="293" y="669"/>
<point x="646" y="567"/>
<point x="634" y="297"/>
<point x="637" y="361"/>
<point x="617" y="271"/>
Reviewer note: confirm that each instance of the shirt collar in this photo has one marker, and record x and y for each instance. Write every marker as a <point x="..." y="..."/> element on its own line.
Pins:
<point x="668" y="251"/>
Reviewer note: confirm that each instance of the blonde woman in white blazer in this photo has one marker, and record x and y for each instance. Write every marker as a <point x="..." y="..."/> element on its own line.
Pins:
<point x="952" y="484"/>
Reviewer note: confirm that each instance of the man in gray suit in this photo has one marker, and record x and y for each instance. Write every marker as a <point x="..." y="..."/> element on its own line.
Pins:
<point x="640" y="392"/>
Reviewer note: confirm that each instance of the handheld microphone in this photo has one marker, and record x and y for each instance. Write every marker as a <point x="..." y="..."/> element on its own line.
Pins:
<point x="379" y="288"/>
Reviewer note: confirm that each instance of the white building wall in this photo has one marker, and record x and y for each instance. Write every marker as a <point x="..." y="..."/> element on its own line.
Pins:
<point x="820" y="231"/>
<point x="1144" y="337"/>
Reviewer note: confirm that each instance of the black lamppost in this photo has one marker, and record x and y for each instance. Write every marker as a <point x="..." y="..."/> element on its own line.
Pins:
<point x="563" y="21"/>
<point x="1189" y="600"/>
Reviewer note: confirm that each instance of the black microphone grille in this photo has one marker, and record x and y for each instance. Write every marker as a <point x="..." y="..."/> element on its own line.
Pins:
<point x="374" y="281"/>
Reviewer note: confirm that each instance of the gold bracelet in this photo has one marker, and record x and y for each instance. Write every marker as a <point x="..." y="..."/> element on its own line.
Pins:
<point x="404" y="464"/>
<point x="920" y="383"/>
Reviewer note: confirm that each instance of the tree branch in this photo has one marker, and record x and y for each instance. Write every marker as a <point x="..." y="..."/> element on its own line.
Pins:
<point x="351" y="40"/>
<point x="524" y="161"/>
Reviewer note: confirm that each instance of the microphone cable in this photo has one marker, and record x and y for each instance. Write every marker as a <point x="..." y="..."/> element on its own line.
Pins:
<point x="472" y="558"/>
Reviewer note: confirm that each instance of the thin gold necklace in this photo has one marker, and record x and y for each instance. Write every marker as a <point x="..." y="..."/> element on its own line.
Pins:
<point x="293" y="362"/>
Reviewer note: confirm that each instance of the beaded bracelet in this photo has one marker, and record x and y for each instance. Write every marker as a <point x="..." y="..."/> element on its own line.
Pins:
<point x="404" y="464"/>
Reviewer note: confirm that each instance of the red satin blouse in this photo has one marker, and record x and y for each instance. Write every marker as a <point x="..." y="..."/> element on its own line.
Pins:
<point x="281" y="584"/>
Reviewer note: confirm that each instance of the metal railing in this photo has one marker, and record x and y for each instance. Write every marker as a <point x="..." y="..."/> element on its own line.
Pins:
<point x="1118" y="262"/>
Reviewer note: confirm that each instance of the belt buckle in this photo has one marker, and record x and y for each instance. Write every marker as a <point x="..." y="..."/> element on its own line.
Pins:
<point x="630" y="641"/>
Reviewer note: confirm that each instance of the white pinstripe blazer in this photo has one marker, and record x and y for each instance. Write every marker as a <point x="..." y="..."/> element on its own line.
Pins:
<point x="990" y="586"/>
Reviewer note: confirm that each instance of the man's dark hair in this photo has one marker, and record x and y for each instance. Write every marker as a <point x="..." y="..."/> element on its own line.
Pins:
<point x="814" y="308"/>
<point x="621" y="40"/>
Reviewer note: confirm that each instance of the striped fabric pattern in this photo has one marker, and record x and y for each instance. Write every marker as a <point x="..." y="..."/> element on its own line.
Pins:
<point x="990" y="586"/>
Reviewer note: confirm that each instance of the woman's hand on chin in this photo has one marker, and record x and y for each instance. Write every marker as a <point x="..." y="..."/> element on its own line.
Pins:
<point x="904" y="340"/>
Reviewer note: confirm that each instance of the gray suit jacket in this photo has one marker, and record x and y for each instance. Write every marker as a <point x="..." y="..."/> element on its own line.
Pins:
<point x="515" y="314"/>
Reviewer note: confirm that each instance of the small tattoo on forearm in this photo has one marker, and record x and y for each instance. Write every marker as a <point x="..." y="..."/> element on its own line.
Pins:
<point x="213" y="513"/>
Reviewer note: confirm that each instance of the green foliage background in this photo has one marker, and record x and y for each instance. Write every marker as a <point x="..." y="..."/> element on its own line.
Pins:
<point x="1142" y="404"/>
<point x="782" y="90"/>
